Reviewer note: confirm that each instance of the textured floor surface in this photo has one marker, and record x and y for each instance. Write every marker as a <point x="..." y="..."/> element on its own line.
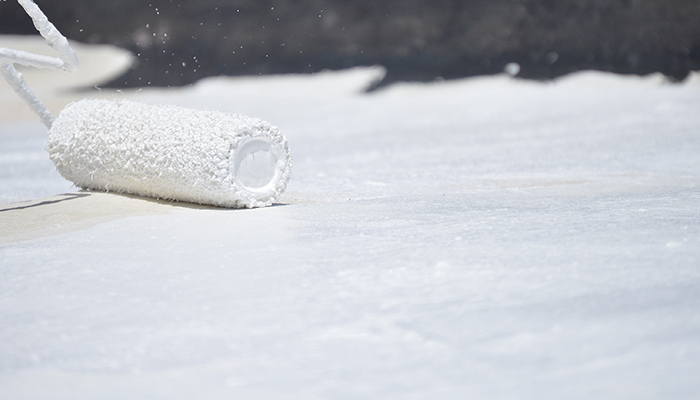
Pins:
<point x="483" y="239"/>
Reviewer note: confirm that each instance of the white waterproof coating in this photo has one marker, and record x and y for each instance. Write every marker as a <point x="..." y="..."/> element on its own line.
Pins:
<point x="168" y="152"/>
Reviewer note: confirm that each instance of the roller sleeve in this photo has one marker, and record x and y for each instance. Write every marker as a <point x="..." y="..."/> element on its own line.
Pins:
<point x="169" y="152"/>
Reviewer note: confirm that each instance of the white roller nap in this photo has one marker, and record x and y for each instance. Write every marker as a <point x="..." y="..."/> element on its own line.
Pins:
<point x="171" y="153"/>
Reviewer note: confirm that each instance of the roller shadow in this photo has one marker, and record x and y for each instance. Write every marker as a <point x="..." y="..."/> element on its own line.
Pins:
<point x="87" y="193"/>
<point x="180" y="204"/>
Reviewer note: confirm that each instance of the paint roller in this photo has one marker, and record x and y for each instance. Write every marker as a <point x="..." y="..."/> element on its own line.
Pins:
<point x="158" y="151"/>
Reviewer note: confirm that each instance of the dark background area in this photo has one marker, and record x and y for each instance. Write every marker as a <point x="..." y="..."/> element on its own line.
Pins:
<point x="178" y="42"/>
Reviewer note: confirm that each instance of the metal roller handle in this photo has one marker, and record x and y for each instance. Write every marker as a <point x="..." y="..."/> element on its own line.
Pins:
<point x="67" y="61"/>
